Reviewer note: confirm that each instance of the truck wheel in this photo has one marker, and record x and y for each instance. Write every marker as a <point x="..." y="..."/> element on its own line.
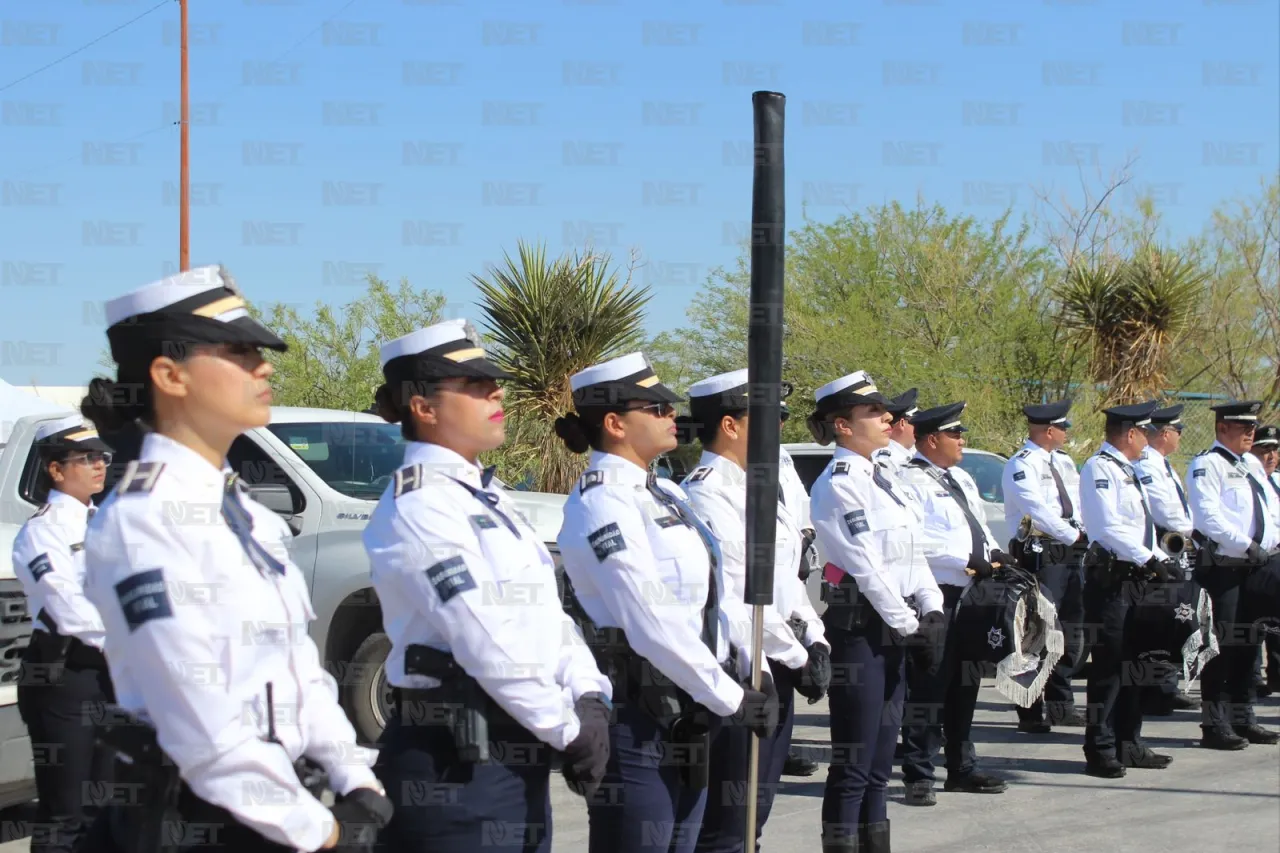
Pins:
<point x="366" y="695"/>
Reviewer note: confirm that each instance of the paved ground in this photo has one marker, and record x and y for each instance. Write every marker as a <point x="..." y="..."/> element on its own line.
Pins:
<point x="1204" y="801"/>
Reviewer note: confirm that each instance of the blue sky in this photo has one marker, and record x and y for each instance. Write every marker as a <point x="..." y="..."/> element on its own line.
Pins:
<point x="422" y="138"/>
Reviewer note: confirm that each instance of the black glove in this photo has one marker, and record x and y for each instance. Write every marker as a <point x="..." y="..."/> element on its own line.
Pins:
<point x="1164" y="571"/>
<point x="808" y="555"/>
<point x="981" y="568"/>
<point x="1082" y="539"/>
<point x="759" y="708"/>
<point x="815" y="676"/>
<point x="998" y="556"/>
<point x="1255" y="553"/>
<point x="360" y="814"/>
<point x="586" y="757"/>
<point x="930" y="641"/>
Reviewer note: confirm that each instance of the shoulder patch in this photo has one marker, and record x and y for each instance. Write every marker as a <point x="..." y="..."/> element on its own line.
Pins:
<point x="484" y="522"/>
<point x="699" y="474"/>
<point x="144" y="598"/>
<point x="408" y="479"/>
<point x="841" y="467"/>
<point x="1146" y="481"/>
<point x="450" y="577"/>
<point x="856" y="521"/>
<point x="41" y="511"/>
<point x="1018" y="476"/>
<point x="40" y="567"/>
<point x="1102" y="484"/>
<point x="607" y="540"/>
<point x="1199" y="472"/>
<point x="590" y="480"/>
<point x="140" y="477"/>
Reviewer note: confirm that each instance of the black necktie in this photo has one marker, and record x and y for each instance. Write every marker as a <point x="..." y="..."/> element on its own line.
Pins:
<point x="490" y="500"/>
<point x="1259" y="502"/>
<point x="1063" y="498"/>
<point x="237" y="517"/>
<point x="1149" y="535"/>
<point x="1182" y="496"/>
<point x="975" y="529"/>
<point x="710" y="610"/>
<point x="883" y="482"/>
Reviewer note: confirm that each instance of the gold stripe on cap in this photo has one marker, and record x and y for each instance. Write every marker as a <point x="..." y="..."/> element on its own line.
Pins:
<point x="81" y="436"/>
<point x="464" y="354"/>
<point x="647" y="382"/>
<point x="219" y="306"/>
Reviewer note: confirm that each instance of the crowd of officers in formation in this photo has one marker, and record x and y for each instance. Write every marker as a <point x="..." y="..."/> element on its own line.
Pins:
<point x="188" y="631"/>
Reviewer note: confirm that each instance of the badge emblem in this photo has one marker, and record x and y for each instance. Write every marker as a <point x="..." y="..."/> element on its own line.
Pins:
<point x="995" y="638"/>
<point x="1184" y="613"/>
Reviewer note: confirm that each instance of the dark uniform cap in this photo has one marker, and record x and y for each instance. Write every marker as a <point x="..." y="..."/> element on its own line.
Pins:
<point x="1170" y="417"/>
<point x="71" y="434"/>
<point x="445" y="350"/>
<point x="1049" y="413"/>
<point x="1238" y="410"/>
<point x="1267" y="436"/>
<point x="854" y="389"/>
<point x="1135" y="415"/>
<point x="199" y="306"/>
<point x="619" y="380"/>
<point x="939" y="419"/>
<point x="903" y="405"/>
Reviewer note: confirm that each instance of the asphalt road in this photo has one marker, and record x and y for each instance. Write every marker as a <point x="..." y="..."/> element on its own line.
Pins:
<point x="1205" y="801"/>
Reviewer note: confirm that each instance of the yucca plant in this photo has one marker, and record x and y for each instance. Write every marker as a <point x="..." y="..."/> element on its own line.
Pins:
<point x="1132" y="314"/>
<point x="548" y="319"/>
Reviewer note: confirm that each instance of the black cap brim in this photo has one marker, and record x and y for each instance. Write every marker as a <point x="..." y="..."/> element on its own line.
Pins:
<point x="246" y="330"/>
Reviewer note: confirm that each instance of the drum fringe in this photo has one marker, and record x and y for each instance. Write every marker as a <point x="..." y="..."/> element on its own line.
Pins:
<point x="1202" y="646"/>
<point x="1024" y="696"/>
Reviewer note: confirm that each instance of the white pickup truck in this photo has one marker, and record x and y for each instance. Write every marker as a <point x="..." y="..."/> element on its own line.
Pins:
<point x="322" y="470"/>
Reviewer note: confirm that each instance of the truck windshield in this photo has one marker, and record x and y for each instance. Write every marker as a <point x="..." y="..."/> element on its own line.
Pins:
<point x="355" y="459"/>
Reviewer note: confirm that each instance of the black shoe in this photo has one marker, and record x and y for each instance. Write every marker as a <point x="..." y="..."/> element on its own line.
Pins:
<point x="975" y="783"/>
<point x="1034" y="727"/>
<point x="1104" y="767"/>
<point x="1072" y="719"/>
<point x="1183" y="702"/>
<point x="1256" y="734"/>
<point x="1223" y="739"/>
<point x="798" y="765"/>
<point x="921" y="793"/>
<point x="1146" y="759"/>
<point x="1262" y="689"/>
<point x="877" y="837"/>
<point x="838" y="839"/>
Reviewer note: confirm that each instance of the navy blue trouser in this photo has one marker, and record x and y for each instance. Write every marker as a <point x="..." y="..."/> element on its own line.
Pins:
<point x="1065" y="585"/>
<point x="938" y="704"/>
<point x="1114" y="693"/>
<point x="444" y="806"/>
<point x="1226" y="684"/>
<point x="725" y="820"/>
<point x="868" y="681"/>
<point x="642" y="807"/>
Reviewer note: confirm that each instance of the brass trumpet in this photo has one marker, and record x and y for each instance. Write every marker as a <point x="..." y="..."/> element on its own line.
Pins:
<point x="1173" y="543"/>
<point x="1027" y="530"/>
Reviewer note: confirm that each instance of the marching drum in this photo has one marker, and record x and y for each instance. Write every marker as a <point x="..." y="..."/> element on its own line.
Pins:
<point x="1171" y="627"/>
<point x="1007" y="622"/>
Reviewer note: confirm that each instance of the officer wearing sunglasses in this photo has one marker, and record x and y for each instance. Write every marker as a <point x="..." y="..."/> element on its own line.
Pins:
<point x="63" y="669"/>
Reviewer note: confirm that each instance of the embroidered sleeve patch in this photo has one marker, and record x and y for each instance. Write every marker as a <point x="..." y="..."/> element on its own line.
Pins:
<point x="856" y="521"/>
<point x="1019" y="476"/>
<point x="144" y="598"/>
<point x="484" y="522"/>
<point x="1102" y="484"/>
<point x="1146" y="481"/>
<point x="607" y="540"/>
<point x="40" y="567"/>
<point x="450" y="577"/>
<point x="590" y="480"/>
<point x="1199" y="472"/>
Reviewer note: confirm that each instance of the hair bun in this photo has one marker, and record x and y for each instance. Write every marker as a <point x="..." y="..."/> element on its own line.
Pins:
<point x="108" y="407"/>
<point x="385" y="405"/>
<point x="569" y="428"/>
<point x="822" y="430"/>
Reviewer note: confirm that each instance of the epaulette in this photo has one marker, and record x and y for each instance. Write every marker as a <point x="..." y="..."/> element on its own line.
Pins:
<point x="699" y="474"/>
<point x="1022" y="454"/>
<point x="140" y="477"/>
<point x="841" y="467"/>
<point x="408" y="479"/>
<point x="41" y="511"/>
<point x="590" y="480"/>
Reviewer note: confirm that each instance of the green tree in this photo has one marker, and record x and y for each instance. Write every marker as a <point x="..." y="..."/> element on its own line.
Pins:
<point x="333" y="361"/>
<point x="548" y="319"/>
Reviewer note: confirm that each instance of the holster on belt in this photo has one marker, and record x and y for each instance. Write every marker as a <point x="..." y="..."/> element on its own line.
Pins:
<point x="459" y="703"/>
<point x="140" y="761"/>
<point x="1207" y="556"/>
<point x="849" y="610"/>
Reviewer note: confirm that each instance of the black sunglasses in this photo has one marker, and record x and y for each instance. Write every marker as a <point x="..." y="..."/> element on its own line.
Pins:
<point x="661" y="410"/>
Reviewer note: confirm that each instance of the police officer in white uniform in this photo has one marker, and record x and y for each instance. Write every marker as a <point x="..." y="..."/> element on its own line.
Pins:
<point x="646" y="572"/>
<point x="64" y="674"/>
<point x="1040" y="480"/>
<point x="205" y="613"/>
<point x="902" y="432"/>
<point x="1168" y="501"/>
<point x="1266" y="446"/>
<point x="958" y="546"/>
<point x="881" y="598"/>
<point x="1234" y="515"/>
<point x="470" y="603"/>
<point x="1114" y="506"/>
<point x="717" y="489"/>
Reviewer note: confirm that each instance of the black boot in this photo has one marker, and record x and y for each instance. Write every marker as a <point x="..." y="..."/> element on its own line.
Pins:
<point x="836" y="838"/>
<point x="877" y="839"/>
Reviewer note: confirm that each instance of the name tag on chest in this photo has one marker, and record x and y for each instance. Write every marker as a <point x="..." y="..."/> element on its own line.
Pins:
<point x="665" y="521"/>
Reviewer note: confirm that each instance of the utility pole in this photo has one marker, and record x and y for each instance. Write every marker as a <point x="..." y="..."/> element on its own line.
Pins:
<point x="184" y="161"/>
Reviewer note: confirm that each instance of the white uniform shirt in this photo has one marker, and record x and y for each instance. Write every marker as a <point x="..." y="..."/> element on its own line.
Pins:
<point x="48" y="558"/>
<point x="634" y="565"/>
<point x="451" y="575"/>
<point x="1112" y="504"/>
<point x="1274" y="481"/>
<point x="892" y="455"/>
<point x="1029" y="489"/>
<point x="793" y="491"/>
<point x="717" y="490"/>
<point x="1221" y="498"/>
<point x="194" y="632"/>
<point x="868" y="528"/>
<point x="948" y="541"/>
<point x="1165" y="494"/>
